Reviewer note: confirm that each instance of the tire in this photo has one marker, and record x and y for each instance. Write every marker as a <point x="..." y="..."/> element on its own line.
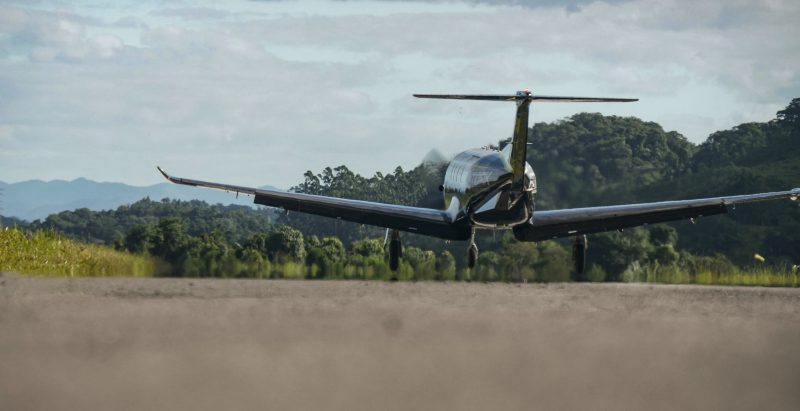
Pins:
<point x="394" y="255"/>
<point x="472" y="255"/>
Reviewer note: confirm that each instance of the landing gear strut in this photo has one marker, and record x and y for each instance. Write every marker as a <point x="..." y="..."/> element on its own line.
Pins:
<point x="472" y="251"/>
<point x="579" y="246"/>
<point x="395" y="250"/>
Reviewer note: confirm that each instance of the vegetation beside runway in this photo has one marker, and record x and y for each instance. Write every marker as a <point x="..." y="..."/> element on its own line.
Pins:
<point x="49" y="253"/>
<point x="166" y="250"/>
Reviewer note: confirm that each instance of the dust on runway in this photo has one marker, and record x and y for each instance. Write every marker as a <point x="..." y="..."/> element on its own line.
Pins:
<point x="125" y="344"/>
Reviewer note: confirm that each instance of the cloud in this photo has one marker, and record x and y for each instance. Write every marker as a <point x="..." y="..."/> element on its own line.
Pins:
<point x="47" y="36"/>
<point x="260" y="93"/>
<point x="571" y="5"/>
<point x="747" y="46"/>
<point x="192" y="13"/>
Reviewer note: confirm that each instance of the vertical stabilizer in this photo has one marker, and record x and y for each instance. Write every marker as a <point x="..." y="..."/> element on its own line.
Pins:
<point x="519" y="141"/>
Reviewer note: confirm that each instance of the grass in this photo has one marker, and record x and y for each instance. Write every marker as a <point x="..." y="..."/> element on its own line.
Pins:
<point x="759" y="275"/>
<point x="47" y="253"/>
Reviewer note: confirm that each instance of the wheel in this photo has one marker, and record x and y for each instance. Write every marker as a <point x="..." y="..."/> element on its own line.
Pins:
<point x="395" y="251"/>
<point x="472" y="255"/>
<point x="579" y="257"/>
<point x="394" y="255"/>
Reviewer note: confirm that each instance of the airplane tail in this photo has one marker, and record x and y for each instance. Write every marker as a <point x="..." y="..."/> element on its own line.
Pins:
<point x="519" y="142"/>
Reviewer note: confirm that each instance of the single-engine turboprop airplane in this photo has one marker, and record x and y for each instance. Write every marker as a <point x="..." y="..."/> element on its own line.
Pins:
<point x="488" y="189"/>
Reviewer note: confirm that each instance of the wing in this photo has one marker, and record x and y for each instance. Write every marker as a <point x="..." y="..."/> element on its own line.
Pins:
<point x="438" y="223"/>
<point x="564" y="223"/>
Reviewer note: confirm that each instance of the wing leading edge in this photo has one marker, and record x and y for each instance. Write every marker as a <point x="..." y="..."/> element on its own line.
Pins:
<point x="438" y="223"/>
<point x="569" y="222"/>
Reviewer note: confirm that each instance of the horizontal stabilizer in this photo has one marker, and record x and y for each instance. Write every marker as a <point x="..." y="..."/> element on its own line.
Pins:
<point x="489" y="97"/>
<point x="557" y="99"/>
<point x="521" y="96"/>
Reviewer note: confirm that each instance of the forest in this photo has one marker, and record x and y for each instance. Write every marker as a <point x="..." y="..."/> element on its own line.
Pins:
<point x="587" y="159"/>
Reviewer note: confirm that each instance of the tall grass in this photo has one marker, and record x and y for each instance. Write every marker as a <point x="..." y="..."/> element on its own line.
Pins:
<point x="759" y="276"/>
<point x="51" y="254"/>
<point x="713" y="273"/>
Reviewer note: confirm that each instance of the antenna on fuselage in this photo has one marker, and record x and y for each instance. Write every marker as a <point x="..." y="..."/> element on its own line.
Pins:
<point x="520" y="139"/>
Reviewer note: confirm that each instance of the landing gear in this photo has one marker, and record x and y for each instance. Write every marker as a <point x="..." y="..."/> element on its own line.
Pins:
<point x="472" y="251"/>
<point x="395" y="250"/>
<point x="579" y="246"/>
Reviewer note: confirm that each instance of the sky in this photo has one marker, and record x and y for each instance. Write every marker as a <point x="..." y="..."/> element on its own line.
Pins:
<point x="257" y="92"/>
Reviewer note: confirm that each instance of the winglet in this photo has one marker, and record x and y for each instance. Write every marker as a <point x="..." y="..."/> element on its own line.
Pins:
<point x="169" y="178"/>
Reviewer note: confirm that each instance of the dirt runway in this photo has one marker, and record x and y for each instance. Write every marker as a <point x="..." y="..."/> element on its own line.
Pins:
<point x="133" y="344"/>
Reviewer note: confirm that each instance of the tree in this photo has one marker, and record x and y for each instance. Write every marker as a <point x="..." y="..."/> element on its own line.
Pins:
<point x="328" y="255"/>
<point x="140" y="239"/>
<point x="422" y="261"/>
<point x="255" y="265"/>
<point x="665" y="254"/>
<point x="367" y="247"/>
<point x="615" y="251"/>
<point x="258" y="242"/>
<point x="171" y="239"/>
<point x="662" y="234"/>
<point x="790" y="116"/>
<point x="445" y="266"/>
<point x="286" y="244"/>
<point x="554" y="262"/>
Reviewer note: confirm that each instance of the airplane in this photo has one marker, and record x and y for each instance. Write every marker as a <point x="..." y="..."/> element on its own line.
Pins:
<point x="488" y="189"/>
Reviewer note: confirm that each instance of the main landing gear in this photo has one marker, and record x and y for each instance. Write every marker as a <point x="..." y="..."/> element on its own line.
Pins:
<point x="395" y="250"/>
<point x="472" y="251"/>
<point x="579" y="246"/>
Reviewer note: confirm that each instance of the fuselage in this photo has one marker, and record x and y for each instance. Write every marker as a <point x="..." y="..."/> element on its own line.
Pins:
<point x="479" y="183"/>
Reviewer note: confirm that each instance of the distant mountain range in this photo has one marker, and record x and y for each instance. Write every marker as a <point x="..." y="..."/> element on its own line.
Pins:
<point x="36" y="199"/>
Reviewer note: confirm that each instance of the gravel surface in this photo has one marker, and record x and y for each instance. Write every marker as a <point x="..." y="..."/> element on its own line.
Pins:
<point x="132" y="344"/>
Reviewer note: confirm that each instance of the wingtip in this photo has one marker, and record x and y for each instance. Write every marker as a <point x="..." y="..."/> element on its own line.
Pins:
<point x="163" y="173"/>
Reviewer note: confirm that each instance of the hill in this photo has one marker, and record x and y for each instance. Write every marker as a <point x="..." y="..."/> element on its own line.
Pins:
<point x="233" y="222"/>
<point x="751" y="157"/>
<point x="36" y="199"/>
<point x="590" y="159"/>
